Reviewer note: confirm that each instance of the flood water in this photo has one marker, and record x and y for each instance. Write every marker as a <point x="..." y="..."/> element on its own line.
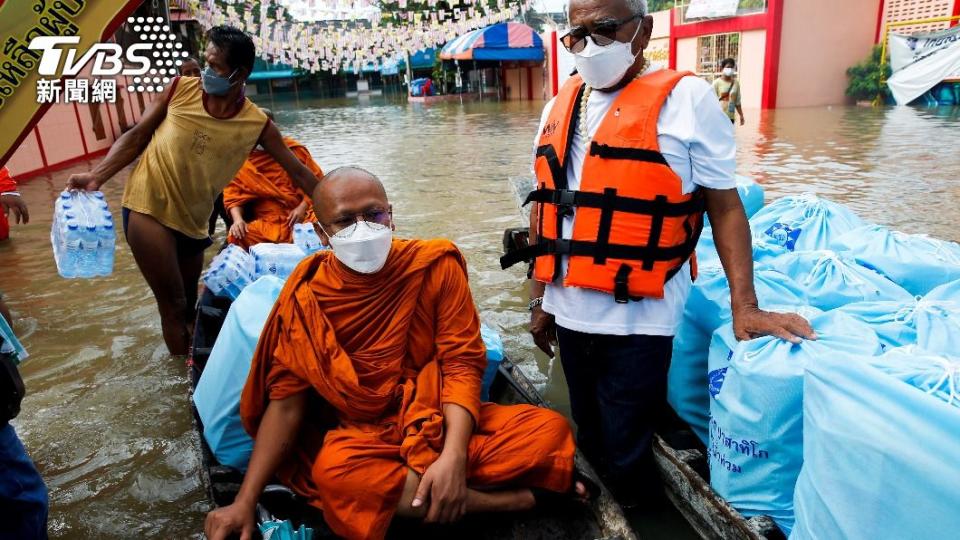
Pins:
<point x="106" y="417"/>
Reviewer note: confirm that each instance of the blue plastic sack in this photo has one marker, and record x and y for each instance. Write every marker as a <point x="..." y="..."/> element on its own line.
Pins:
<point x="756" y="434"/>
<point x="494" y="344"/>
<point x="708" y="308"/>
<point x="884" y="460"/>
<point x="946" y="292"/>
<point x="803" y="223"/>
<point x="217" y="396"/>
<point x="763" y="252"/>
<point x="938" y="328"/>
<point x="916" y="262"/>
<point x="833" y="279"/>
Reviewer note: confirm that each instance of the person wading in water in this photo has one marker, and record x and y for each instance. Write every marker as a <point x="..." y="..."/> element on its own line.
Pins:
<point x="191" y="143"/>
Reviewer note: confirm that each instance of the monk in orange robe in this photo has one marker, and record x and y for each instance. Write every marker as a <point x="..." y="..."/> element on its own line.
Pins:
<point x="263" y="189"/>
<point x="364" y="392"/>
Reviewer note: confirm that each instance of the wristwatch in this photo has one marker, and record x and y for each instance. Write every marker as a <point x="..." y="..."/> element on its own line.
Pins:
<point x="534" y="303"/>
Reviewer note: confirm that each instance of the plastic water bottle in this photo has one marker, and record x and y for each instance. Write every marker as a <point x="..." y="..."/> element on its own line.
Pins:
<point x="89" y="247"/>
<point x="305" y="237"/>
<point x="276" y="259"/>
<point x="108" y="245"/>
<point x="71" y="251"/>
<point x="230" y="272"/>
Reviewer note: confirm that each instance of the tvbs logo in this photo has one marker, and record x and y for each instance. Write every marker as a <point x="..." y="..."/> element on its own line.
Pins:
<point x="151" y="63"/>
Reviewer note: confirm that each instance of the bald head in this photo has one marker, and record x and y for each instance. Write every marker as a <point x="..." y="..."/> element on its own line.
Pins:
<point x="347" y="192"/>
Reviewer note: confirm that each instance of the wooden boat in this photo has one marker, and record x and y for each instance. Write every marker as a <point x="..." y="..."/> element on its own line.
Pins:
<point x="600" y="519"/>
<point x="681" y="459"/>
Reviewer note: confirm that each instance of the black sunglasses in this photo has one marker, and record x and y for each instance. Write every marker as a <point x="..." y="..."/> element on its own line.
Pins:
<point x="604" y="34"/>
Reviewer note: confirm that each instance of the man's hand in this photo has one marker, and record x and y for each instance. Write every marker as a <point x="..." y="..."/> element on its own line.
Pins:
<point x="239" y="229"/>
<point x="296" y="215"/>
<point x="752" y="322"/>
<point x="84" y="181"/>
<point x="224" y="522"/>
<point x="742" y="121"/>
<point x="15" y="204"/>
<point x="544" y="330"/>
<point x="444" y="484"/>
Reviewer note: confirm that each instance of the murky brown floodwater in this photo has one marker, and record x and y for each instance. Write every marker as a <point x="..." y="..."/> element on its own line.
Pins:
<point x="106" y="418"/>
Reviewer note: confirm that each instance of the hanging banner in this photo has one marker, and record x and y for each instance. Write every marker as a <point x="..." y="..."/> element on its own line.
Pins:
<point x="68" y="29"/>
<point x="701" y="9"/>
<point x="906" y="50"/>
<point x="918" y="77"/>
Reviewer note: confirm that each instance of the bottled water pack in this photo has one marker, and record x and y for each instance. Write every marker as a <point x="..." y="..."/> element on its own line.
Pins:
<point x="229" y="272"/>
<point x="83" y="235"/>
<point x="277" y="260"/>
<point x="305" y="237"/>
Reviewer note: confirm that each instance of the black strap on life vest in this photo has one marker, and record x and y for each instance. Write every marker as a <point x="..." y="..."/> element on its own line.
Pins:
<point x="583" y="199"/>
<point x="584" y="248"/>
<point x="558" y="172"/>
<point x="633" y="154"/>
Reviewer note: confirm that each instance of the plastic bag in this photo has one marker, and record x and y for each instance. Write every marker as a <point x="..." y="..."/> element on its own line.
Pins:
<point x="756" y="433"/>
<point x="803" y="223"/>
<point x="217" y="396"/>
<point x="763" y="252"/>
<point x="916" y="262"/>
<point x="884" y="440"/>
<point x="833" y="279"/>
<point x="707" y="309"/>
<point x="495" y="355"/>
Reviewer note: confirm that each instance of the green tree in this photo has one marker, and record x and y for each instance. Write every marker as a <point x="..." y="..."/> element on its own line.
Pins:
<point x="659" y="5"/>
<point x="866" y="78"/>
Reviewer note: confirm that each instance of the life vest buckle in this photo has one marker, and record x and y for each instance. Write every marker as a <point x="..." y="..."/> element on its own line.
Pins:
<point x="564" y="199"/>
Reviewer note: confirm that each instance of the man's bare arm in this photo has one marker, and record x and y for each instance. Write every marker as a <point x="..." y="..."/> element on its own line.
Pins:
<point x="272" y="142"/>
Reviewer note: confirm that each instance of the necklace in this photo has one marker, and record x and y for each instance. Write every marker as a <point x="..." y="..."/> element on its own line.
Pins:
<point x="584" y="132"/>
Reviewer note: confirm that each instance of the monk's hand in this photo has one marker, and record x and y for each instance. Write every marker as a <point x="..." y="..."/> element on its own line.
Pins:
<point x="239" y="229"/>
<point x="13" y="204"/>
<point x="296" y="215"/>
<point x="84" y="182"/>
<point x="228" y="521"/>
<point x="752" y="322"/>
<point x="444" y="484"/>
<point x="544" y="330"/>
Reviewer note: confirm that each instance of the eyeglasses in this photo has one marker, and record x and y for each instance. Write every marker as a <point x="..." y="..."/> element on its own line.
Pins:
<point x="376" y="215"/>
<point x="603" y="34"/>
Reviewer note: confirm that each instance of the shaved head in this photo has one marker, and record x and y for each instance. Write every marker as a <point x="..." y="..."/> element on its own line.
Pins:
<point x="345" y="193"/>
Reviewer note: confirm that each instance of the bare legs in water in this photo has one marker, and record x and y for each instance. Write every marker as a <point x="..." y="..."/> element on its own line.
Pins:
<point x="172" y="277"/>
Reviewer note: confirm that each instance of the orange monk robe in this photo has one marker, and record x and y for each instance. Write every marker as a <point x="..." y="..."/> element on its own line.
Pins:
<point x="382" y="353"/>
<point x="266" y="191"/>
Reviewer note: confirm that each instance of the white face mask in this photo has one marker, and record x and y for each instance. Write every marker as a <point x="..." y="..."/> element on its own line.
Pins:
<point x="728" y="72"/>
<point x="603" y="67"/>
<point x="363" y="246"/>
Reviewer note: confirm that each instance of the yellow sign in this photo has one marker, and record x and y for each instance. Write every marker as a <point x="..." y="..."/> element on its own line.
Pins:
<point x="23" y="20"/>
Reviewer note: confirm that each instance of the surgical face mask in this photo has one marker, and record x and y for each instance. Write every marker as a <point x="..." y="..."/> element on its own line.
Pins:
<point x="214" y="84"/>
<point x="603" y="67"/>
<point x="363" y="246"/>
<point x="728" y="72"/>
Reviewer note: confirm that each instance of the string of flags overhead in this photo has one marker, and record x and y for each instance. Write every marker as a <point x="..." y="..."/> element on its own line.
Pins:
<point x="330" y="35"/>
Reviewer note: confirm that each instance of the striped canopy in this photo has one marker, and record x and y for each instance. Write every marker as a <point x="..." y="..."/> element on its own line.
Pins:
<point x="504" y="42"/>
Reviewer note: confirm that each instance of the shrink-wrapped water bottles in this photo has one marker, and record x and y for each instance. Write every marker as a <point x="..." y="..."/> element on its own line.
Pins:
<point x="83" y="235"/>
<point x="277" y="260"/>
<point x="229" y="272"/>
<point x="305" y="237"/>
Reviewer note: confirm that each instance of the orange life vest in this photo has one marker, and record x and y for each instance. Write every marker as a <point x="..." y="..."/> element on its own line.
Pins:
<point x="634" y="227"/>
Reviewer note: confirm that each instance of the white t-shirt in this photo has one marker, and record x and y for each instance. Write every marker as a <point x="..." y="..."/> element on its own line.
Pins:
<point x="696" y="138"/>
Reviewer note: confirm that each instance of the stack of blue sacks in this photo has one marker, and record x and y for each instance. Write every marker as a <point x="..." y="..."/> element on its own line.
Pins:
<point x="886" y="309"/>
<point x="83" y="235"/>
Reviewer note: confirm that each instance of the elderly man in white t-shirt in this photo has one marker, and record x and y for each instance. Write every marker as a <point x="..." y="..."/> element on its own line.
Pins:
<point x="628" y="157"/>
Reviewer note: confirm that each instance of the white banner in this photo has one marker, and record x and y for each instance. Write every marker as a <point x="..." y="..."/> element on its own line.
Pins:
<point x="906" y="50"/>
<point x="912" y="81"/>
<point x="699" y="9"/>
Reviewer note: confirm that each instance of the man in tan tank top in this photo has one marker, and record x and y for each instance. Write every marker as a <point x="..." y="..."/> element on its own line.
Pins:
<point x="191" y="142"/>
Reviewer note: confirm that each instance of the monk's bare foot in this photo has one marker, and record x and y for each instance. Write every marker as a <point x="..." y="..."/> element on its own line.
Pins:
<point x="581" y="490"/>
